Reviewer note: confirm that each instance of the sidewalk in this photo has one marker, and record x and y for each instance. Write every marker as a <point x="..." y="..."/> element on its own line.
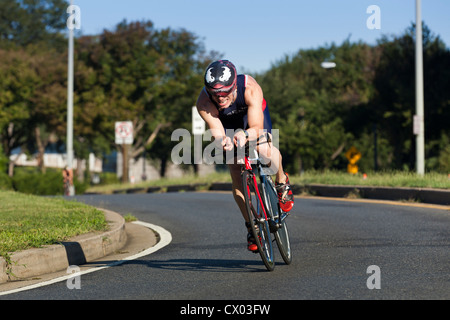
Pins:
<point x="93" y="250"/>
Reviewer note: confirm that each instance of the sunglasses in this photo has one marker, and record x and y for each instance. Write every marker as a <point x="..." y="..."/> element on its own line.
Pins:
<point x="221" y="93"/>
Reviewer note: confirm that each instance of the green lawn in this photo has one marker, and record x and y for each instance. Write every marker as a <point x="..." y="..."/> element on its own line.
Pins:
<point x="28" y="221"/>
<point x="387" y="179"/>
<point x="378" y="179"/>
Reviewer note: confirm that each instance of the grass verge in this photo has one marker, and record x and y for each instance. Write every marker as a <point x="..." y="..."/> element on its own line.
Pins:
<point x="378" y="179"/>
<point x="28" y="221"/>
<point x="403" y="179"/>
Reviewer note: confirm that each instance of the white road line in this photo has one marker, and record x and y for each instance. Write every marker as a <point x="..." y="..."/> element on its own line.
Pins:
<point x="165" y="239"/>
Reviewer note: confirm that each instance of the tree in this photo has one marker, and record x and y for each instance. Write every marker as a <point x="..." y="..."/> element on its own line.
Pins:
<point x="32" y="21"/>
<point x="32" y="98"/>
<point x="31" y="84"/>
<point x="394" y="104"/>
<point x="150" y="77"/>
<point x="314" y="107"/>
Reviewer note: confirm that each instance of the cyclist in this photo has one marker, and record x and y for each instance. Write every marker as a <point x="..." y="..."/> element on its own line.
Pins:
<point x="67" y="180"/>
<point x="236" y="102"/>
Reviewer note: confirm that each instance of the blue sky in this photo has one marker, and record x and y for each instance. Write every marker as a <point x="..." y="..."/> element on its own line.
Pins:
<point x="256" y="33"/>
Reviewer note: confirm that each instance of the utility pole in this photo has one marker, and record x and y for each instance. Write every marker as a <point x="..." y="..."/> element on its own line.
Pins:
<point x="419" y="117"/>
<point x="69" y="143"/>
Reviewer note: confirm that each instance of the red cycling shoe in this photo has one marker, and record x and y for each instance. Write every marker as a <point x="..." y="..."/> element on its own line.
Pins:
<point x="285" y="195"/>
<point x="251" y="241"/>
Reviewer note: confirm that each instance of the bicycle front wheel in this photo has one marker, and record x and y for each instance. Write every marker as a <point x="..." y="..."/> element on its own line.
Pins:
<point x="257" y="218"/>
<point x="284" y="245"/>
<point x="280" y="226"/>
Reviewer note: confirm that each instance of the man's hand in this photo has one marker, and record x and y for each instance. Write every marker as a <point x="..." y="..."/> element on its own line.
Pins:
<point x="227" y="145"/>
<point x="240" y="138"/>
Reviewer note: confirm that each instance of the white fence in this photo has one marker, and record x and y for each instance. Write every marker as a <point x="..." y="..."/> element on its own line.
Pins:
<point x="57" y="160"/>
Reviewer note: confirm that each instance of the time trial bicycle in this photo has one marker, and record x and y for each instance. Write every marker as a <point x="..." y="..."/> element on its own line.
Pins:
<point x="264" y="213"/>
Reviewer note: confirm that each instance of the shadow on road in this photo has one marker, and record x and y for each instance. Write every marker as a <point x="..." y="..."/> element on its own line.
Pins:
<point x="198" y="265"/>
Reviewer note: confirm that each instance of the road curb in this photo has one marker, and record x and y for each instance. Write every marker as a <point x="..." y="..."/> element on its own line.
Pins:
<point x="76" y="251"/>
<point x="423" y="195"/>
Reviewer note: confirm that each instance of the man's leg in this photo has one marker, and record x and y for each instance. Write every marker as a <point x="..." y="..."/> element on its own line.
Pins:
<point x="235" y="172"/>
<point x="269" y="151"/>
<point x="272" y="155"/>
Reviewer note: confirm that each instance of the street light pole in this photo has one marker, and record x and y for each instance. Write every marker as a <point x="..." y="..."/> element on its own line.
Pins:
<point x="420" y="135"/>
<point x="69" y="143"/>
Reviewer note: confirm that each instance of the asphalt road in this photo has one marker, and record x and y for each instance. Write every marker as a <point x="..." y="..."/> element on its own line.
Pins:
<point x="334" y="243"/>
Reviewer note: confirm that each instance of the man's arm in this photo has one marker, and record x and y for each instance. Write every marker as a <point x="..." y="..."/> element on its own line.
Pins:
<point x="209" y="113"/>
<point x="254" y="100"/>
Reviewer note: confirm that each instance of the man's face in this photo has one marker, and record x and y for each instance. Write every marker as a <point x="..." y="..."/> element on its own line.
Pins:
<point x="224" y="101"/>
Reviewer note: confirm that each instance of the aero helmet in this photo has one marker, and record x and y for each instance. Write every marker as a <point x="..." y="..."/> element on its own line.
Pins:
<point x="220" y="78"/>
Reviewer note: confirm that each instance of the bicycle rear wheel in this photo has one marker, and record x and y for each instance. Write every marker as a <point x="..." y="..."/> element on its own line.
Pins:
<point x="279" y="228"/>
<point x="260" y="227"/>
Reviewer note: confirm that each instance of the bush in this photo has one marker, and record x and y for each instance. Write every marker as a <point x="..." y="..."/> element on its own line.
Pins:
<point x="80" y="187"/>
<point x="32" y="181"/>
<point x="108" y="178"/>
<point x="5" y="180"/>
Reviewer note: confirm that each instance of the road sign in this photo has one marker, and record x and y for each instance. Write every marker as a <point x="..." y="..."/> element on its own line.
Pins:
<point x="124" y="132"/>
<point x="352" y="168"/>
<point x="353" y="155"/>
<point x="198" y="124"/>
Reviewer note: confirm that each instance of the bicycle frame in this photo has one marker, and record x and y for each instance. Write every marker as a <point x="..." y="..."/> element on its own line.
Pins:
<point x="262" y="178"/>
<point x="248" y="166"/>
